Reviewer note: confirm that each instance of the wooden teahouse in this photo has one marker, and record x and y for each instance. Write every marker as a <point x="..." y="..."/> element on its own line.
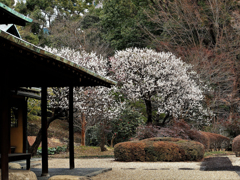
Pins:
<point x="24" y="65"/>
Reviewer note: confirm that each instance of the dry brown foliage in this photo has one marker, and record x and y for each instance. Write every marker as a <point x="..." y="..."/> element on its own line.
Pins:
<point x="180" y="129"/>
<point x="216" y="141"/>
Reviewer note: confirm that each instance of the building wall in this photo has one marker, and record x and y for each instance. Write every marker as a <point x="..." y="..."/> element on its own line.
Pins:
<point x="17" y="132"/>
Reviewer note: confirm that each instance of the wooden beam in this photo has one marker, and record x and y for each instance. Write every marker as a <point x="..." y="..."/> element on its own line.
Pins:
<point x="44" y="132"/>
<point x="71" y="132"/>
<point x="4" y="121"/>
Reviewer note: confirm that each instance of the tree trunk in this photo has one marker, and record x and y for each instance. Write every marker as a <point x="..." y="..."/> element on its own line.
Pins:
<point x="149" y="111"/>
<point x="34" y="147"/>
<point x="102" y="142"/>
<point x="113" y="137"/>
<point x="83" y="131"/>
<point x="164" y="120"/>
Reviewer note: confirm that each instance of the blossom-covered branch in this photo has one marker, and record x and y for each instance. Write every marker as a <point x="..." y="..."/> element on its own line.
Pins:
<point x="96" y="103"/>
<point x="158" y="77"/>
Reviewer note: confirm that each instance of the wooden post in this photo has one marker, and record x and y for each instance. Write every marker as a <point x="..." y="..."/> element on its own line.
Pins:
<point x="44" y="132"/>
<point x="4" y="121"/>
<point x="24" y="104"/>
<point x="71" y="133"/>
<point x="83" y="131"/>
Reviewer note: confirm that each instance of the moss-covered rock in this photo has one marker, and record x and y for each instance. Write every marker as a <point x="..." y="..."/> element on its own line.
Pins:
<point x="159" y="149"/>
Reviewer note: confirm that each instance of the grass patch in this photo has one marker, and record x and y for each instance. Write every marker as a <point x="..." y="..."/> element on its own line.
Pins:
<point x="101" y="156"/>
<point x="217" y="153"/>
<point x="91" y="151"/>
<point x="86" y="152"/>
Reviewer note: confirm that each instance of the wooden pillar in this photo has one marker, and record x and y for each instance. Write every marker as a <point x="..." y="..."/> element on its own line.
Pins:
<point x="24" y="105"/>
<point x="71" y="133"/>
<point x="4" y="121"/>
<point x="83" y="131"/>
<point x="44" y="132"/>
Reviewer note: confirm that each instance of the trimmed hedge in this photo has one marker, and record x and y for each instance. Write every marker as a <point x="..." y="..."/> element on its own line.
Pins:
<point x="214" y="141"/>
<point x="236" y="145"/>
<point x="201" y="137"/>
<point x="159" y="149"/>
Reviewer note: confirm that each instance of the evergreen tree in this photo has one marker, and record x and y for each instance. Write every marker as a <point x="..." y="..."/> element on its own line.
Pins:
<point x="123" y="21"/>
<point x="8" y="3"/>
<point x="44" y="13"/>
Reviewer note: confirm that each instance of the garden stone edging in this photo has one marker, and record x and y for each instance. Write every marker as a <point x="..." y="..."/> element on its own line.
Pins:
<point x="66" y="177"/>
<point x="14" y="166"/>
<point x="71" y="177"/>
<point x="21" y="175"/>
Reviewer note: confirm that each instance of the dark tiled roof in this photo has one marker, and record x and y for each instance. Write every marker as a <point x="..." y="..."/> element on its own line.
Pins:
<point x="10" y="16"/>
<point x="41" y="53"/>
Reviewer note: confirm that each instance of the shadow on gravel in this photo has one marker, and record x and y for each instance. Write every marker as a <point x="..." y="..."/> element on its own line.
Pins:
<point x="218" y="164"/>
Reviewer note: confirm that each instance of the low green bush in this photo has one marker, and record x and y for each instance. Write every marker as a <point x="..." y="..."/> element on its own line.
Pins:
<point x="159" y="149"/>
<point x="52" y="150"/>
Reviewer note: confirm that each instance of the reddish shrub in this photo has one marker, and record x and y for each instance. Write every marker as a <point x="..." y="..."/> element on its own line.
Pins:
<point x="194" y="151"/>
<point x="217" y="141"/>
<point x="236" y="145"/>
<point x="130" y="151"/>
<point x="205" y="139"/>
<point x="213" y="140"/>
<point x="159" y="149"/>
<point x="180" y="129"/>
<point x="221" y="142"/>
<point x="148" y="131"/>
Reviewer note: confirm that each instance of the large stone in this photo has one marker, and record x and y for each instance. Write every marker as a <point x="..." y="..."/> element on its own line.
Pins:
<point x="14" y="166"/>
<point x="67" y="177"/>
<point x="106" y="148"/>
<point x="21" y="175"/>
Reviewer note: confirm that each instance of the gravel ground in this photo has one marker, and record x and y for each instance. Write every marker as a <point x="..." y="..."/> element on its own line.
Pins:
<point x="224" y="167"/>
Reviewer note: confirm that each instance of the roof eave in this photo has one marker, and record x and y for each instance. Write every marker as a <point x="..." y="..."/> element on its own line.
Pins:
<point x="19" y="19"/>
<point x="43" y="53"/>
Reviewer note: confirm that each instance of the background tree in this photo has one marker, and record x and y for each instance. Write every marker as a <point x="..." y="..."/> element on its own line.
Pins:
<point x="161" y="79"/>
<point x="206" y="35"/>
<point x="97" y="104"/>
<point x="83" y="33"/>
<point x="124" y="127"/>
<point x="8" y="3"/>
<point x="122" y="21"/>
<point x="43" y="13"/>
<point x="34" y="107"/>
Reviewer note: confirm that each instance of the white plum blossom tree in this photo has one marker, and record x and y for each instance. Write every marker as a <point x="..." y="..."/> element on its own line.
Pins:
<point x="91" y="104"/>
<point x="160" y="79"/>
